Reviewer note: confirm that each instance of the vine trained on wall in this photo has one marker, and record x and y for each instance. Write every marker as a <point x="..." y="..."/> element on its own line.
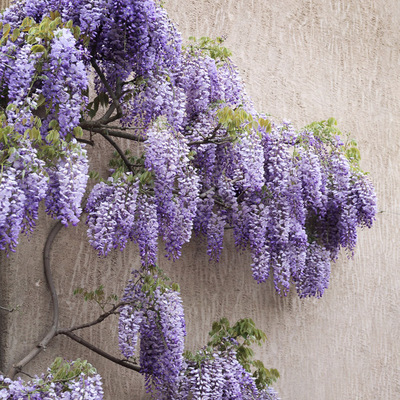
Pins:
<point x="192" y="156"/>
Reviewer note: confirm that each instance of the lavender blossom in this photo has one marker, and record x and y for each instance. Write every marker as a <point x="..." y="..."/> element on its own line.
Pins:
<point x="67" y="184"/>
<point x="158" y="318"/>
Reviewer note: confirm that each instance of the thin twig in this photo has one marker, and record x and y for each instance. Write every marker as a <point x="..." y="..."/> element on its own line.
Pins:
<point x="101" y="318"/>
<point x="25" y="373"/>
<point x="90" y="346"/>
<point x="206" y="193"/>
<point x="127" y="128"/>
<point x="107" y="86"/>
<point x="119" y="151"/>
<point x="10" y="310"/>
<point x="16" y="368"/>
<point x="209" y="141"/>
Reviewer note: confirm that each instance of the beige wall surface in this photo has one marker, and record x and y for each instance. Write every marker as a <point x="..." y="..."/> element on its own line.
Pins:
<point x="302" y="60"/>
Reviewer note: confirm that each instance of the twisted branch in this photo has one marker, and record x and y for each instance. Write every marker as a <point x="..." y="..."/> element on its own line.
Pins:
<point x="16" y="368"/>
<point x="53" y="330"/>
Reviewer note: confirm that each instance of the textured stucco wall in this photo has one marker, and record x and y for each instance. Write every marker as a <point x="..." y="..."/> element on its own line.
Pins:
<point x="302" y="60"/>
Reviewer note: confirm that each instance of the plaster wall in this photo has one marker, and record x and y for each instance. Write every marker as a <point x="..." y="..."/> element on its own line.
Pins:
<point x="302" y="60"/>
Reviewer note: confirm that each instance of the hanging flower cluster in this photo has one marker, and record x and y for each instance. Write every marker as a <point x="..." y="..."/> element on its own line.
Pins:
<point x="152" y="314"/>
<point x="64" y="83"/>
<point x="176" y="187"/>
<point x="220" y="376"/>
<point x="23" y="185"/>
<point x="63" y="381"/>
<point x="225" y="369"/>
<point x="26" y="180"/>
<point x="111" y="220"/>
<point x="154" y="311"/>
<point x="67" y="183"/>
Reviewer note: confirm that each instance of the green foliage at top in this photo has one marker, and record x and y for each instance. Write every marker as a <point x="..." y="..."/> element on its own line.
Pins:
<point x="241" y="336"/>
<point x="330" y="134"/>
<point x="211" y="47"/>
<point x="156" y="278"/>
<point x="238" y="120"/>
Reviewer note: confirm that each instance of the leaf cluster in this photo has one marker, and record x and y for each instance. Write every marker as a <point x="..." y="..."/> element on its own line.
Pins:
<point x="39" y="36"/>
<point x="237" y="120"/>
<point x="240" y="337"/>
<point x="329" y="133"/>
<point x="211" y="47"/>
<point x="97" y="295"/>
<point x="154" y="279"/>
<point x="132" y="163"/>
<point x="63" y="371"/>
<point x="11" y="140"/>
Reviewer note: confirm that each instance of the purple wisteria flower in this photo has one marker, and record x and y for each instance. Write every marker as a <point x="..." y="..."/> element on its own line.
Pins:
<point x="84" y="386"/>
<point x="65" y="84"/>
<point x="157" y="318"/>
<point x="219" y="376"/>
<point x="67" y="184"/>
<point x="23" y="185"/>
<point x="175" y="184"/>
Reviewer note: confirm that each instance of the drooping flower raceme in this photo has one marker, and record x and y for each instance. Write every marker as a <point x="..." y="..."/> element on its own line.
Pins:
<point x="219" y="375"/>
<point x="12" y="201"/>
<point x="175" y="185"/>
<point x="67" y="184"/>
<point x="157" y="318"/>
<point x="23" y="185"/>
<point x="65" y="84"/>
<point x="111" y="211"/>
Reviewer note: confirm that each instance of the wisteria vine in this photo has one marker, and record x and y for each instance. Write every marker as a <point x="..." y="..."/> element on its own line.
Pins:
<point x="208" y="162"/>
<point x="152" y="314"/>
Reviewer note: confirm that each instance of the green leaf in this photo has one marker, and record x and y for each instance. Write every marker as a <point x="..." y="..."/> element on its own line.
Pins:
<point x="331" y="121"/>
<point x="78" y="132"/>
<point x="6" y="30"/>
<point x="175" y="287"/>
<point x="94" y="175"/>
<point x="37" y="48"/>
<point x="86" y="40"/>
<point x="145" y="177"/>
<point x="41" y="100"/>
<point x="53" y="124"/>
<point x="103" y="99"/>
<point x="76" y="32"/>
<point x="35" y="133"/>
<point x="15" y="35"/>
<point x="53" y="136"/>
